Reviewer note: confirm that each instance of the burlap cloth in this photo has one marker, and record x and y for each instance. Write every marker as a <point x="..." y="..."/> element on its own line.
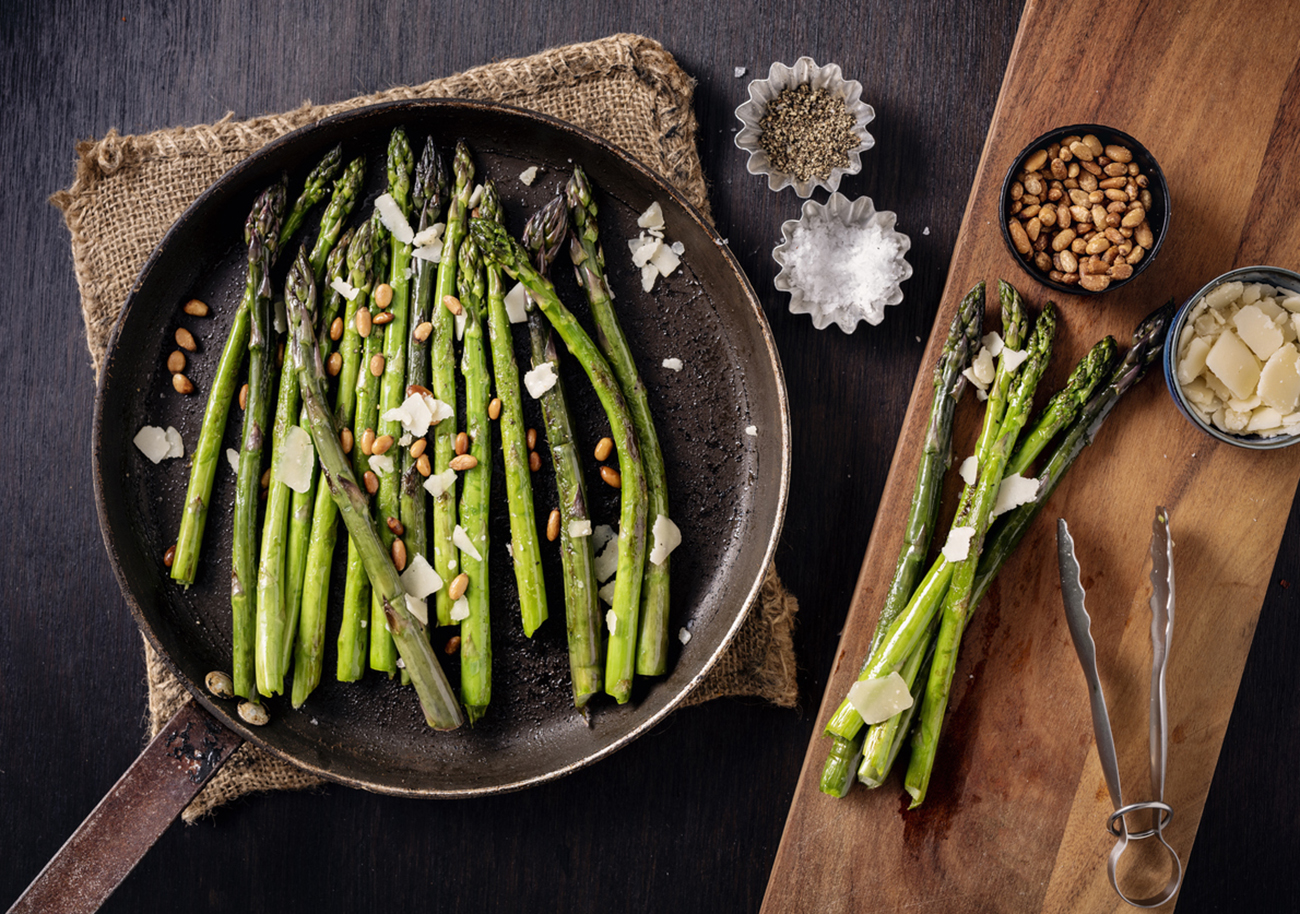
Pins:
<point x="130" y="189"/>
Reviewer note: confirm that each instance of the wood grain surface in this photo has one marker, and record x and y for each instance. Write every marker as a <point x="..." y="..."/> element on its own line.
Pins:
<point x="1015" y="812"/>
<point x="689" y="817"/>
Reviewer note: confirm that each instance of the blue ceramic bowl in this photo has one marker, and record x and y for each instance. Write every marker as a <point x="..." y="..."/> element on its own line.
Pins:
<point x="1273" y="276"/>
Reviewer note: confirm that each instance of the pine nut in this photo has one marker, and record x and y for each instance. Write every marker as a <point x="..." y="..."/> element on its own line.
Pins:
<point x="452" y="645"/>
<point x="243" y="397"/>
<point x="363" y="322"/>
<point x="266" y="478"/>
<point x="334" y="364"/>
<point x="462" y="462"/>
<point x="371" y="481"/>
<point x="494" y="408"/>
<point x="534" y="461"/>
<point x="377" y="365"/>
<point x="459" y="584"/>
<point x="452" y="304"/>
<point x="382" y="318"/>
<point x="423" y="331"/>
<point x="604" y="447"/>
<point x="345" y="440"/>
<point x="383" y="295"/>
<point x="185" y="340"/>
<point x="170" y="555"/>
<point x="195" y="308"/>
<point x="368" y="441"/>
<point x="418" y="447"/>
<point x="396" y="526"/>
<point x="611" y="477"/>
<point x="182" y="384"/>
<point x="462" y="443"/>
<point x="553" y="525"/>
<point x="398" y="551"/>
<point x="418" y="389"/>
<point x="336" y="329"/>
<point x="423" y="466"/>
<point x="381" y="444"/>
<point x="176" y="362"/>
<point x="531" y="438"/>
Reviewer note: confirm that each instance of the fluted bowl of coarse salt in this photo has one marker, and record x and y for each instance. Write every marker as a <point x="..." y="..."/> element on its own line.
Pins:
<point x="842" y="262"/>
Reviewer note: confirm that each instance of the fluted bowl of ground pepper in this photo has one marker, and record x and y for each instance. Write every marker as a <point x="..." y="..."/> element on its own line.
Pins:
<point x="804" y="126"/>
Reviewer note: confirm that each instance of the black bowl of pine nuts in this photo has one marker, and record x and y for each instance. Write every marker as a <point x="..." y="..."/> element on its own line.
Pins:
<point x="1085" y="208"/>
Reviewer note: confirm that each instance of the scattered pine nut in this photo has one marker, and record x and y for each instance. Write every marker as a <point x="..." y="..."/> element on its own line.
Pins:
<point x="345" y="440"/>
<point x="494" y="408"/>
<point x="534" y="461"/>
<point x="170" y="555"/>
<point x="363" y="322"/>
<point x="336" y="329"/>
<point x="176" y="362"/>
<point x="459" y="584"/>
<point x="182" y="384"/>
<point x="452" y="646"/>
<point x="418" y="447"/>
<point x="462" y="462"/>
<point x="381" y="444"/>
<point x="604" y="447"/>
<point x="462" y="443"/>
<point x="423" y="466"/>
<point x="243" y="397"/>
<point x="423" y="331"/>
<point x="418" y="389"/>
<point x="452" y="303"/>
<point x="377" y="365"/>
<point x="532" y="439"/>
<point x="399" y="554"/>
<point x="383" y="295"/>
<point x="611" y="476"/>
<point x="372" y="482"/>
<point x="383" y="317"/>
<point x="334" y="364"/>
<point x="185" y="340"/>
<point x="553" y="525"/>
<point x="368" y="442"/>
<point x="395" y="525"/>
<point x="195" y="308"/>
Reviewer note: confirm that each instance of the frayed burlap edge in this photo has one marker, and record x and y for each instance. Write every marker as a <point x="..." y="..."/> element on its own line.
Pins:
<point x="760" y="663"/>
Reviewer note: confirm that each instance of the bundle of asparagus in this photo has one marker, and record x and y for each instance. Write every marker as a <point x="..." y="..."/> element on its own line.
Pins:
<point x="919" y="629"/>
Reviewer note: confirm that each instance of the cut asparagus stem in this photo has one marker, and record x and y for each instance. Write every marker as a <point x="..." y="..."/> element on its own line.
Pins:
<point x="437" y="700"/>
<point x="443" y="375"/>
<point x="243" y="556"/>
<point x="262" y="226"/>
<point x="313" y="191"/>
<point x="620" y="659"/>
<point x="589" y="266"/>
<point x="475" y="628"/>
<point x="544" y="236"/>
<point x="923" y="515"/>
<point x="525" y="549"/>
<point x="957" y="602"/>
<point x="383" y="653"/>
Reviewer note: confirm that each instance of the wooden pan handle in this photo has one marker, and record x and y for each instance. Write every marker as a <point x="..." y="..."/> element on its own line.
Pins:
<point x="133" y="815"/>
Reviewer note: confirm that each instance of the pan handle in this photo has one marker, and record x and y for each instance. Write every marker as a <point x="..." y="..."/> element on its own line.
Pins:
<point x="133" y="815"/>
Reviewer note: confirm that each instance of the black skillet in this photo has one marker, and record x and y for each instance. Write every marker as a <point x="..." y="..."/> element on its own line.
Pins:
<point x="722" y="418"/>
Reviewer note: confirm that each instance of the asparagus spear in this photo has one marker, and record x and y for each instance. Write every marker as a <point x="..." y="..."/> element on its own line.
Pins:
<point x="261" y="232"/>
<point x="544" y="235"/>
<point x="313" y="191"/>
<point x="342" y="202"/>
<point x="589" y="264"/>
<point x="923" y="515"/>
<point x="475" y="628"/>
<point x="271" y="606"/>
<point x="383" y="653"/>
<point x="356" y="587"/>
<point x="957" y="603"/>
<point x="443" y="355"/>
<point x="525" y="549"/>
<point x="620" y="658"/>
<point x="243" y="556"/>
<point x="429" y="191"/>
<point x="431" y="686"/>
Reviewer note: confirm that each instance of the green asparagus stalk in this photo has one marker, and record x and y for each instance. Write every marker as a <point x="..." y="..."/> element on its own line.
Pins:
<point x="243" y="558"/>
<point x="620" y="660"/>
<point x="923" y="515"/>
<point x="313" y="191"/>
<point x="475" y="628"/>
<point x="346" y="190"/>
<point x="431" y="686"/>
<point x="260" y="234"/>
<point x="525" y="547"/>
<point x="443" y="375"/>
<point x="957" y="602"/>
<point x="356" y="587"/>
<point x="272" y="608"/>
<point x="383" y="653"/>
<point x="544" y="236"/>
<point x="589" y="264"/>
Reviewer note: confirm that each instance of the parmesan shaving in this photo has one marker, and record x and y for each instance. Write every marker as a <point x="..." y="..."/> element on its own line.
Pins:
<point x="158" y="444"/>
<point x="1014" y="491"/>
<point x="579" y="528"/>
<point x="1014" y="358"/>
<point x="429" y="234"/>
<point x="381" y="464"/>
<point x="418" y="608"/>
<point x="877" y="700"/>
<point x="653" y="217"/>
<point x="344" y="288"/>
<point x="611" y="620"/>
<point x="673" y="364"/>
<point x="969" y="470"/>
<point x="958" y="545"/>
<point x="606" y="593"/>
<point x="419" y="579"/>
<point x="517" y="304"/>
<point x="540" y="379"/>
<point x="297" y="460"/>
<point x="751" y="431"/>
<point x="667" y="537"/>
<point x="439" y="483"/>
<point x="684" y="635"/>
<point x="528" y="175"/>
<point x="232" y="458"/>
<point x="463" y="543"/>
<point x="460" y="610"/>
<point x="606" y="561"/>
<point x="391" y="215"/>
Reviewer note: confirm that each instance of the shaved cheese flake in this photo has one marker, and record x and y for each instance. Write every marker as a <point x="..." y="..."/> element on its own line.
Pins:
<point x="879" y="699"/>
<point x="606" y="561"/>
<point x="1014" y="491"/>
<point x="297" y="460"/>
<point x="673" y="364"/>
<point x="344" y="288"/>
<point x="415" y="414"/>
<point x="649" y="273"/>
<point x="579" y="528"/>
<point x="665" y="261"/>
<point x="460" y="610"/>
<point x="644" y="248"/>
<point x="418" y="608"/>
<point x="476" y="197"/>
<point x="606" y="593"/>
<point x="429" y="234"/>
<point x="1014" y="358"/>
<point x="419" y="579"/>
<point x="982" y="370"/>
<point x="517" y="304"/>
<point x="611" y="621"/>
<point x="528" y="175"/>
<point x="460" y="325"/>
<point x="969" y="470"/>
<point x="431" y="252"/>
<point x="993" y="343"/>
<point x="540" y="379"/>
<point x="381" y="464"/>
<point x="438" y="410"/>
<point x="751" y="431"/>
<point x="677" y="248"/>
<point x="653" y="217"/>
<point x="684" y="635"/>
<point x="600" y="536"/>
<point x="667" y="537"/>
<point x="158" y="444"/>
<point x="232" y="458"/>
<point x="439" y="483"/>
<point x="391" y="215"/>
<point x="463" y="543"/>
<point x="958" y="545"/>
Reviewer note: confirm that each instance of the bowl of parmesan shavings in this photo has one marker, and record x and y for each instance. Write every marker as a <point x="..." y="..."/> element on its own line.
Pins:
<point x="804" y="126"/>
<point x="842" y="262"/>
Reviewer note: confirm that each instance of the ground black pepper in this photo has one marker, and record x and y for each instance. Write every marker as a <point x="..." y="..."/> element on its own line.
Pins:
<point x="806" y="132"/>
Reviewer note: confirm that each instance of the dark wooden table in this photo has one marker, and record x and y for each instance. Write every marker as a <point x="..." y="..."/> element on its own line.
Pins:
<point x="687" y="818"/>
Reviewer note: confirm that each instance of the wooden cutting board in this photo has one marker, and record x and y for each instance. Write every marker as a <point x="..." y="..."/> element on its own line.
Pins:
<point x="1014" y="820"/>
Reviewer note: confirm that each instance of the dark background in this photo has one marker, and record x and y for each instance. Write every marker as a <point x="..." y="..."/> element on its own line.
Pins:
<point x="687" y="818"/>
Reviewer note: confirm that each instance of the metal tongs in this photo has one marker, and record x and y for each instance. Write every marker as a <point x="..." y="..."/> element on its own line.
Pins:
<point x="1162" y="624"/>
